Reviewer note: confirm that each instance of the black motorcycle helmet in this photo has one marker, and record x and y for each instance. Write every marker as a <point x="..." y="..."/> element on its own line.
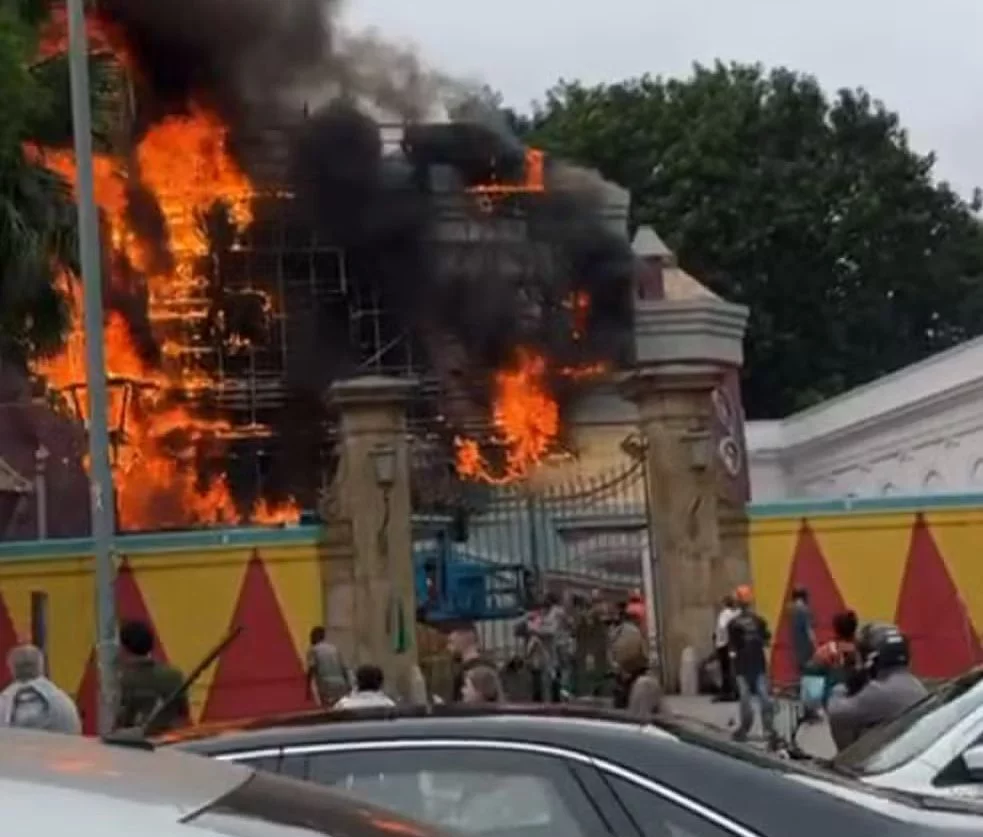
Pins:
<point x="883" y="646"/>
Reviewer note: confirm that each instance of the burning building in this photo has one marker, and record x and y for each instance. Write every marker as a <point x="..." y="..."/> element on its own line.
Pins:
<point x="258" y="247"/>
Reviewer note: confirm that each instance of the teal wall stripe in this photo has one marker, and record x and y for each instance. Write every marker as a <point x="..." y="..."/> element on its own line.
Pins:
<point x="152" y="542"/>
<point x="869" y="505"/>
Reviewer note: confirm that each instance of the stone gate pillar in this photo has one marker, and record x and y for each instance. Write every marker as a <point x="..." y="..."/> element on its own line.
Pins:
<point x="683" y="349"/>
<point x="372" y="490"/>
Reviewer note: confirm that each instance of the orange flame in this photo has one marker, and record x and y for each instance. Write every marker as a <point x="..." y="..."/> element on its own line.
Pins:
<point x="102" y="37"/>
<point x="183" y="162"/>
<point x="526" y="419"/>
<point x="533" y="182"/>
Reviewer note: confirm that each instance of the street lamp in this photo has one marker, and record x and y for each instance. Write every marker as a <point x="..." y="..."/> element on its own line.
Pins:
<point x="121" y="394"/>
<point x="100" y="473"/>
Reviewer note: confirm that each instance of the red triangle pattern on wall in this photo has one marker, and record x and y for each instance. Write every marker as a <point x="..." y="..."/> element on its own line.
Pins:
<point x="931" y="613"/>
<point x="87" y="696"/>
<point x="130" y="605"/>
<point x="260" y="672"/>
<point x="808" y="570"/>
<point x="8" y="639"/>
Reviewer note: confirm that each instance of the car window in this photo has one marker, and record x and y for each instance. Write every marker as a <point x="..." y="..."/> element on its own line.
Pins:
<point x="482" y="792"/>
<point x="897" y="742"/>
<point x="658" y="817"/>
<point x="271" y="806"/>
<point x="268" y="764"/>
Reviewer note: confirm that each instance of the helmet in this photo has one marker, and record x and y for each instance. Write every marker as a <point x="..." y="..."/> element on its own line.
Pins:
<point x="882" y="645"/>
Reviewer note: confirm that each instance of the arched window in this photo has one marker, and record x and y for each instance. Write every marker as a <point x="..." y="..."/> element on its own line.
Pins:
<point x="976" y="474"/>
<point x="888" y="489"/>
<point x="933" y="482"/>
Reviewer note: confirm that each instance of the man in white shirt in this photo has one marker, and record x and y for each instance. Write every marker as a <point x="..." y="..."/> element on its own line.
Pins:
<point x="721" y="642"/>
<point x="368" y="691"/>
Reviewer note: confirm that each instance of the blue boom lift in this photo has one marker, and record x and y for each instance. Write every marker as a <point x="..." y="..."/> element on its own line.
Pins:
<point x="453" y="584"/>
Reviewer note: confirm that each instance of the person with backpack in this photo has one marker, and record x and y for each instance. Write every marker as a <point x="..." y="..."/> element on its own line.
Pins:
<point x="838" y="659"/>
<point x="32" y="701"/>
<point x="749" y="638"/>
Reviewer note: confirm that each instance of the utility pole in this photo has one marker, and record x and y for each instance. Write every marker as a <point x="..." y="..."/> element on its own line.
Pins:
<point x="100" y="472"/>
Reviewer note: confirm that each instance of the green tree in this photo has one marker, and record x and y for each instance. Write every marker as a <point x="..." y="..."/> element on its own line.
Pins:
<point x="38" y="237"/>
<point x="813" y="210"/>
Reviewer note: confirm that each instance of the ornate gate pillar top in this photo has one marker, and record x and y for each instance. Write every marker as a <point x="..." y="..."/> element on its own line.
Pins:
<point x="680" y="333"/>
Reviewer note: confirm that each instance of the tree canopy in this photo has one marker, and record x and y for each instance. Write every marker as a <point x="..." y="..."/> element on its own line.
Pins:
<point x="813" y="210"/>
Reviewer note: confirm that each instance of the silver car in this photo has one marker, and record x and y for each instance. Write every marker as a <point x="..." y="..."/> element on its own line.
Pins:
<point x="935" y="748"/>
<point x="52" y="785"/>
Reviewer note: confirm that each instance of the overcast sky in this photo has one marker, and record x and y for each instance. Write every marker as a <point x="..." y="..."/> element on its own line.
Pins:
<point x="922" y="57"/>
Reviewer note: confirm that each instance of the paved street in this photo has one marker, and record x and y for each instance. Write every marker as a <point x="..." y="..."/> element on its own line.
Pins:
<point x="813" y="738"/>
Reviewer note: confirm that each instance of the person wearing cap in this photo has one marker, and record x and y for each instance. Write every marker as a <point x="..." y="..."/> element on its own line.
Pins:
<point x="749" y="637"/>
<point x="635" y="609"/>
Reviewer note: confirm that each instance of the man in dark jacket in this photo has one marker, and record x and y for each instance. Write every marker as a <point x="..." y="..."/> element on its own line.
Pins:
<point x="146" y="685"/>
<point x="749" y="637"/>
<point x="880" y="692"/>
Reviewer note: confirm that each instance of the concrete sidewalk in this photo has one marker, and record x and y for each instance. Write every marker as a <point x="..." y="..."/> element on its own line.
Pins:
<point x="813" y="738"/>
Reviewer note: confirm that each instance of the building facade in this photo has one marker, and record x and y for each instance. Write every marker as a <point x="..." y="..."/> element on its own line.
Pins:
<point x="914" y="432"/>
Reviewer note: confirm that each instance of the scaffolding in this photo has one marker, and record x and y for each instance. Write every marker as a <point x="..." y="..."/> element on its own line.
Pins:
<point x="268" y="308"/>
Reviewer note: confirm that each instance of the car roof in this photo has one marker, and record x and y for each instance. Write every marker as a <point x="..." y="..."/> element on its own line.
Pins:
<point x="176" y="783"/>
<point x="713" y="767"/>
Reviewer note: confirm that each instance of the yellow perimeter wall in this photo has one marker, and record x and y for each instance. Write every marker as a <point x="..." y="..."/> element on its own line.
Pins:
<point x="193" y="588"/>
<point x="914" y="561"/>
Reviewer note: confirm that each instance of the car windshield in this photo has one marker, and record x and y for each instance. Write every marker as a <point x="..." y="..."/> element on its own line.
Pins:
<point x="893" y="744"/>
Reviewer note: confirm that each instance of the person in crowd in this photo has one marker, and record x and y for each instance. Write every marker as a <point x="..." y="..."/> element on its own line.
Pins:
<point x="482" y="685"/>
<point x="721" y="643"/>
<point x="629" y="656"/>
<point x="560" y="616"/>
<point x="148" y="688"/>
<point x="803" y="641"/>
<point x="749" y="637"/>
<point x="465" y="651"/>
<point x="880" y="690"/>
<point x="635" y="610"/>
<point x="645" y="698"/>
<point x="838" y="659"/>
<point x="327" y="675"/>
<point x="32" y="701"/>
<point x="551" y="627"/>
<point x="591" y="644"/>
<point x="536" y="656"/>
<point x="516" y="680"/>
<point x="368" y="692"/>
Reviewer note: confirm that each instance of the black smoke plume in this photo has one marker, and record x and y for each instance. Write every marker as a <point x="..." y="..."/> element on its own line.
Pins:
<point x="467" y="280"/>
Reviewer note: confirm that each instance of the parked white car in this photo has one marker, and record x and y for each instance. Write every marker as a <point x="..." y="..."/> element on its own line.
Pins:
<point x="935" y="748"/>
<point x="52" y="785"/>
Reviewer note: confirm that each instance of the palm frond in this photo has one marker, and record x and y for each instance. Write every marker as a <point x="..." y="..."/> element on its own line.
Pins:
<point x="53" y="127"/>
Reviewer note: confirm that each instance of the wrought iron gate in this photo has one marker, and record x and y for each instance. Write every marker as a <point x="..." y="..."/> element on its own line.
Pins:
<point x="574" y="535"/>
